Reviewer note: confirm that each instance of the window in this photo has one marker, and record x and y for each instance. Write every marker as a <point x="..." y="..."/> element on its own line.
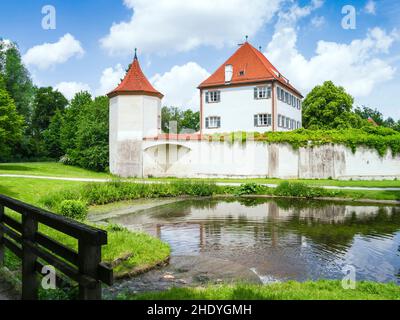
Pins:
<point x="241" y="73"/>
<point x="213" y="96"/>
<point x="262" y="120"/>
<point x="213" y="122"/>
<point x="262" y="92"/>
<point x="293" y="125"/>
<point x="279" y="93"/>
<point x="287" y="123"/>
<point x="286" y="97"/>
<point x="298" y="125"/>
<point x="279" y="120"/>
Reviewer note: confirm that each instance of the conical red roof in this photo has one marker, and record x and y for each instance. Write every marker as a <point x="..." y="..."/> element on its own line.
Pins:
<point x="249" y="66"/>
<point x="135" y="82"/>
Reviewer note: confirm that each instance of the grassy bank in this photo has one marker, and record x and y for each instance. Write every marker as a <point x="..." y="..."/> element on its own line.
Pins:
<point x="292" y="290"/>
<point x="134" y="251"/>
<point x="59" y="170"/>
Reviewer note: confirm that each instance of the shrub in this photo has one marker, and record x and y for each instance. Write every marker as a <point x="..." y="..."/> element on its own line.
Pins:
<point x="289" y="189"/>
<point x="74" y="209"/>
<point x="249" y="188"/>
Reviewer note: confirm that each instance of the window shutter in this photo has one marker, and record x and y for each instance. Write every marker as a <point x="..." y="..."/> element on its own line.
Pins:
<point x="207" y="97"/>
<point x="207" y="123"/>
<point x="218" y="96"/>
<point x="256" y="120"/>
<point x="219" y="122"/>
<point x="255" y="93"/>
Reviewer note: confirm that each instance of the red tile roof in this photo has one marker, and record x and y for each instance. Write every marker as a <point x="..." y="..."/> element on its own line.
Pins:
<point x="135" y="82"/>
<point x="256" y="68"/>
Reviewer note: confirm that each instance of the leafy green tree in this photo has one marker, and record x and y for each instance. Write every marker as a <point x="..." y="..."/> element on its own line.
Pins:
<point x="52" y="136"/>
<point x="329" y="107"/>
<point x="185" y="120"/>
<point x="70" y="124"/>
<point x="17" y="79"/>
<point x="366" y="113"/>
<point x="91" y="149"/>
<point x="11" y="124"/>
<point x="190" y="120"/>
<point x="46" y="103"/>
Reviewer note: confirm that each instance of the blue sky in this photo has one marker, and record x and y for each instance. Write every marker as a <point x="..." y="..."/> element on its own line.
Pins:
<point x="181" y="42"/>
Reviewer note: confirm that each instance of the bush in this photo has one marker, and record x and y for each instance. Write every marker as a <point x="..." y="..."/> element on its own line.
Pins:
<point x="297" y="189"/>
<point x="249" y="188"/>
<point x="74" y="209"/>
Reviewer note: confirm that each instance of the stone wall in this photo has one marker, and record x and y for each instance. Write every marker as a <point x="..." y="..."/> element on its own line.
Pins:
<point x="252" y="159"/>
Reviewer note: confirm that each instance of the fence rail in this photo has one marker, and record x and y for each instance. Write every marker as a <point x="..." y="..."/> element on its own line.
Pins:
<point x="36" y="250"/>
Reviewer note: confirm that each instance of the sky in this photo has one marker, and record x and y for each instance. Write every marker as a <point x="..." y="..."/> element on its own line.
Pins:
<point x="88" y="44"/>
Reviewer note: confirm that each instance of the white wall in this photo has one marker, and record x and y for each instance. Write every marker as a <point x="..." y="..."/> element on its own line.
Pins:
<point x="256" y="159"/>
<point x="236" y="109"/>
<point x="286" y="110"/>
<point x="131" y="118"/>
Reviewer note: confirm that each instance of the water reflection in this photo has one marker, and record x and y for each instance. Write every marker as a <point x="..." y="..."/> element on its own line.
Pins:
<point x="283" y="239"/>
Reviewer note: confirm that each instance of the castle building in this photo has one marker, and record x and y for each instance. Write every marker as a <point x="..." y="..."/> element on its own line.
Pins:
<point x="247" y="93"/>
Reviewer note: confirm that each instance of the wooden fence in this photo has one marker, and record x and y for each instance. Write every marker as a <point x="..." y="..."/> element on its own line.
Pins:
<point x="37" y="250"/>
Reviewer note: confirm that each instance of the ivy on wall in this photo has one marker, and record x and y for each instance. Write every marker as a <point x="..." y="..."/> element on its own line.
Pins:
<point x="379" y="138"/>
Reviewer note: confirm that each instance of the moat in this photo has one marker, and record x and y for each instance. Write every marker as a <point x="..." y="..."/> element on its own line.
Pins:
<point x="264" y="240"/>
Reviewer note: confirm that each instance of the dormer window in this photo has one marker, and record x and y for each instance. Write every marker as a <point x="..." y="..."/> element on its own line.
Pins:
<point x="213" y="96"/>
<point x="262" y="92"/>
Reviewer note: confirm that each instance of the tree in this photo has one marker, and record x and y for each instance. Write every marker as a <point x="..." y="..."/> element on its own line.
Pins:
<point x="185" y="120"/>
<point x="366" y="113"/>
<point x="329" y="107"/>
<point x="17" y="79"/>
<point x="52" y="136"/>
<point x="91" y="148"/>
<point x="70" y="124"/>
<point x="11" y="124"/>
<point x="46" y="103"/>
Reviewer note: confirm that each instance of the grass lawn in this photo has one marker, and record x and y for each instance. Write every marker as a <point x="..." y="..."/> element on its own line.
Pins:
<point x="141" y="250"/>
<point x="291" y="290"/>
<point x="59" y="170"/>
<point x="54" y="169"/>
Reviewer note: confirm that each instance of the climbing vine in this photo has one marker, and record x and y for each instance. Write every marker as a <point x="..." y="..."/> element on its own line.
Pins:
<point x="379" y="138"/>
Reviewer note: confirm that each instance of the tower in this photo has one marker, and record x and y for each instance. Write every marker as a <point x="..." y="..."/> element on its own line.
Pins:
<point x="135" y="113"/>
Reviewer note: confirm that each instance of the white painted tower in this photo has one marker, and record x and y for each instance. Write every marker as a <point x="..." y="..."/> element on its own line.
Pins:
<point x="135" y="113"/>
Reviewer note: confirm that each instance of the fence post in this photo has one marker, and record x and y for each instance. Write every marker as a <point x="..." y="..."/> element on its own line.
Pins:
<point x="29" y="278"/>
<point x="89" y="260"/>
<point x="2" y="246"/>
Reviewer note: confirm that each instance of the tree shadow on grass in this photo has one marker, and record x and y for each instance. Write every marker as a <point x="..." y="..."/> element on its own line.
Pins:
<point x="10" y="167"/>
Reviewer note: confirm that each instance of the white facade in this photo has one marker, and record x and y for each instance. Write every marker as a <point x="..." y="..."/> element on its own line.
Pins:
<point x="199" y="159"/>
<point x="132" y="117"/>
<point x="236" y="107"/>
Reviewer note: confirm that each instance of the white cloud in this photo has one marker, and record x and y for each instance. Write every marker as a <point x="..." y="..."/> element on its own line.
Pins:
<point x="48" y="55"/>
<point x="295" y="12"/>
<point x="110" y="79"/>
<point x="179" y="85"/>
<point x="69" y="89"/>
<point x="370" y="7"/>
<point x="163" y="26"/>
<point x="318" y="21"/>
<point x="357" y="66"/>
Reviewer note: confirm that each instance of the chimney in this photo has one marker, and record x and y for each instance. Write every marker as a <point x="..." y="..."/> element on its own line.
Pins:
<point x="228" y="73"/>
